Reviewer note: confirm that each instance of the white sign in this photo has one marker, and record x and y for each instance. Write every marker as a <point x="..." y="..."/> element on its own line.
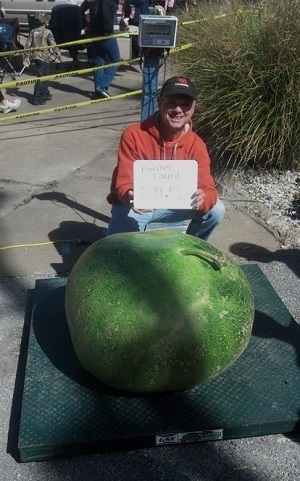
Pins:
<point x="164" y="184"/>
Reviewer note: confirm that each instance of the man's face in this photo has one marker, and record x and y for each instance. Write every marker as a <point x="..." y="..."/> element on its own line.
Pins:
<point x="176" y="111"/>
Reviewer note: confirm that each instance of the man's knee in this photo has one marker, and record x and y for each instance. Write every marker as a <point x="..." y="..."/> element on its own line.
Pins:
<point x="121" y="221"/>
<point x="218" y="211"/>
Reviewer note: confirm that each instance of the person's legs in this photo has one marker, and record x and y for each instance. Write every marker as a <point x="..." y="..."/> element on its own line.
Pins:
<point x="135" y="47"/>
<point x="45" y="85"/>
<point x="126" y="220"/>
<point x="1" y="97"/>
<point x="73" y="51"/>
<point x="99" y="60"/>
<point x="103" y="77"/>
<point x="201" y="225"/>
<point x="113" y="53"/>
<point x="41" y="88"/>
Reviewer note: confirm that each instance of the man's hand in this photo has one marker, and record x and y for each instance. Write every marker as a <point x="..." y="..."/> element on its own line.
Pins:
<point x="129" y="199"/>
<point x="198" y="199"/>
<point x="129" y="204"/>
<point x="26" y="62"/>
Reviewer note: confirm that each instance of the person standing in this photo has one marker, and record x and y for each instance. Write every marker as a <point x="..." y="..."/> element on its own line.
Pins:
<point x="102" y="25"/>
<point x="40" y="36"/>
<point x="166" y="135"/>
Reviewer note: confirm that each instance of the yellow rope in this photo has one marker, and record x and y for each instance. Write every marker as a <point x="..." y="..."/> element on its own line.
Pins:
<point x="39" y="244"/>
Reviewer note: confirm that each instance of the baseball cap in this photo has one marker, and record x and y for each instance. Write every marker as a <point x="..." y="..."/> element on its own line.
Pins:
<point x="179" y="86"/>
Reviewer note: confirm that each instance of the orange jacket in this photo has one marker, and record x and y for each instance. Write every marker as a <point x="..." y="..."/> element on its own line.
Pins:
<point x="142" y="141"/>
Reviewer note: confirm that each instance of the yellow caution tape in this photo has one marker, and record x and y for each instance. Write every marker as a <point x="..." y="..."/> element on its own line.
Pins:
<point x="67" y="44"/>
<point x="116" y="35"/>
<point x="68" y="107"/>
<point x="18" y="83"/>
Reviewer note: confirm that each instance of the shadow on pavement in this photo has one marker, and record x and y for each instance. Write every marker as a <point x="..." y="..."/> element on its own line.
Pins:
<point x="254" y="252"/>
<point x="71" y="238"/>
<point x="63" y="199"/>
<point x="74" y="238"/>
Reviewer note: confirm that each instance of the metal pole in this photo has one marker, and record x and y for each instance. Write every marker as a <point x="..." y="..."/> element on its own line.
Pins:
<point x="150" y="83"/>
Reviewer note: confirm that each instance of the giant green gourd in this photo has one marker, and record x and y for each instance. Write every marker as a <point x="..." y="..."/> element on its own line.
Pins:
<point x="157" y="311"/>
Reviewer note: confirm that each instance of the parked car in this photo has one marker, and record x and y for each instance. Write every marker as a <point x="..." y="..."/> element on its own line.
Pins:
<point x="22" y="8"/>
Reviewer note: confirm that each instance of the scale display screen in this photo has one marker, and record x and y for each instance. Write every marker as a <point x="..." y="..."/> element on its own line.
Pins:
<point x="157" y="31"/>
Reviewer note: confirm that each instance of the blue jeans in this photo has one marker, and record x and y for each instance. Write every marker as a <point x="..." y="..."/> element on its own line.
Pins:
<point x="100" y="51"/>
<point x="41" y="89"/>
<point x="124" y="219"/>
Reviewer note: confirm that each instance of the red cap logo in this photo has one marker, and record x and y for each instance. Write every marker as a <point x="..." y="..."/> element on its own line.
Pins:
<point x="182" y="80"/>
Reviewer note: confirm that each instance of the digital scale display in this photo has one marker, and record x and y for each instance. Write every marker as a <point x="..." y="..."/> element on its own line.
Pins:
<point x="157" y="31"/>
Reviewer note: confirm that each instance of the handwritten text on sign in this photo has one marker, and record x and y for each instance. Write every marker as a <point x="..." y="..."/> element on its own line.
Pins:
<point x="164" y="184"/>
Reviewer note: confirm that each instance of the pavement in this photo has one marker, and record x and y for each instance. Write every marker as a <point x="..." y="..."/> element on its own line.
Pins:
<point x="55" y="172"/>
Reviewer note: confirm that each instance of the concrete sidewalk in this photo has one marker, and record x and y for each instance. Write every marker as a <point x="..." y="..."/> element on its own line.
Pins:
<point x="55" y="172"/>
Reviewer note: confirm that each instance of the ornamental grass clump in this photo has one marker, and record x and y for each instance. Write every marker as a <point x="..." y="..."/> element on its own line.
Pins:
<point x="245" y="61"/>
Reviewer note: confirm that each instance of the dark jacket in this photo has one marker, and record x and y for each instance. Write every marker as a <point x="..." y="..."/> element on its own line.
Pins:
<point x="102" y="17"/>
<point x="141" y="8"/>
<point x="66" y="23"/>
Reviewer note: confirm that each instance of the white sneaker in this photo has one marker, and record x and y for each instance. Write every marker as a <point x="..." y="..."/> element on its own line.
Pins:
<point x="12" y="104"/>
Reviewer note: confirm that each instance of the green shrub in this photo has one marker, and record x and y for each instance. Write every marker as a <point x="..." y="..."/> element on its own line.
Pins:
<point x="245" y="61"/>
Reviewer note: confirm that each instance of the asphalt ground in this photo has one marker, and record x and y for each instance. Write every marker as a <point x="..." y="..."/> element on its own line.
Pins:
<point x="55" y="172"/>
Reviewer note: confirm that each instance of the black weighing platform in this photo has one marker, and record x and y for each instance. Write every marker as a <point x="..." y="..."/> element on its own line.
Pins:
<point x="66" y="412"/>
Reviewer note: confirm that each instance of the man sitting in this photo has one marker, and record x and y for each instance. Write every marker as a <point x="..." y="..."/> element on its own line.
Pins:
<point x="166" y="135"/>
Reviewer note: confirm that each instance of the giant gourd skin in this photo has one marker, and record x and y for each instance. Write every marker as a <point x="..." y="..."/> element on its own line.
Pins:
<point x="157" y="311"/>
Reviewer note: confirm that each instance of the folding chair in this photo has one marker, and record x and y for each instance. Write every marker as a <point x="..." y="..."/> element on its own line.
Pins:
<point x="8" y="43"/>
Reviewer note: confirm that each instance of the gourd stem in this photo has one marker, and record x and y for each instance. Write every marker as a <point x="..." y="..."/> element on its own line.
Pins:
<point x="218" y="260"/>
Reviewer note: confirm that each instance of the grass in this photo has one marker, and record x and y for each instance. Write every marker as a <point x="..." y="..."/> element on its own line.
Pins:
<point x="245" y="61"/>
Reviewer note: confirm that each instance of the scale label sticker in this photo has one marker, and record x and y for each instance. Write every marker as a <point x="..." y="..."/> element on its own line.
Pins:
<point x="189" y="437"/>
<point x="164" y="184"/>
